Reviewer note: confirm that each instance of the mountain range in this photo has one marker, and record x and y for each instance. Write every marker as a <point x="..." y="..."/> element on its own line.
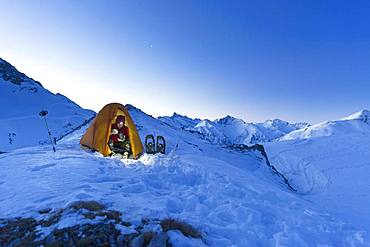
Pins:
<point x="229" y="192"/>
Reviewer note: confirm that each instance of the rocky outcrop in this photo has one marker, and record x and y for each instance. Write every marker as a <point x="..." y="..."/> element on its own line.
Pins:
<point x="98" y="226"/>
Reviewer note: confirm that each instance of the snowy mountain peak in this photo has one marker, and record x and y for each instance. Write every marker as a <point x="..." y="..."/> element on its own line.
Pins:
<point x="179" y="116"/>
<point x="130" y="107"/>
<point x="275" y="122"/>
<point x="9" y="73"/>
<point x="278" y="123"/>
<point x="134" y="110"/>
<point x="179" y="121"/>
<point x="22" y="99"/>
<point x="229" y="120"/>
<point x="363" y="115"/>
<point x="205" y="123"/>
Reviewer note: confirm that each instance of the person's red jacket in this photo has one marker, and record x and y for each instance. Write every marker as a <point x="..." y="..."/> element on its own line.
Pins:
<point x="114" y="138"/>
<point x="124" y="130"/>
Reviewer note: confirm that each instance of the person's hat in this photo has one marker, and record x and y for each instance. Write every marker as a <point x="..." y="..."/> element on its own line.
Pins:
<point x="120" y="119"/>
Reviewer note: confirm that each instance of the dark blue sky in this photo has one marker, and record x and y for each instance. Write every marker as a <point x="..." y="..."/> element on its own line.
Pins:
<point x="295" y="60"/>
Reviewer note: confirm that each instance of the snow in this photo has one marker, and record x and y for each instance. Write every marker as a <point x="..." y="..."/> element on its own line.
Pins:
<point x="20" y="123"/>
<point x="358" y="122"/>
<point x="363" y="116"/>
<point x="331" y="171"/>
<point x="179" y="240"/>
<point x="231" y="197"/>
<point x="179" y="121"/>
<point x="231" y="130"/>
<point x="329" y="162"/>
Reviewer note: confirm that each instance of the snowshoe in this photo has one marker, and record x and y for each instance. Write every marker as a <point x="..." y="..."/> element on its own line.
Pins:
<point x="161" y="145"/>
<point x="150" y="144"/>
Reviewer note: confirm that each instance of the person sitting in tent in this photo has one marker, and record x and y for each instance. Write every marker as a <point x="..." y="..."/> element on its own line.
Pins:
<point x="119" y="141"/>
<point x="97" y="135"/>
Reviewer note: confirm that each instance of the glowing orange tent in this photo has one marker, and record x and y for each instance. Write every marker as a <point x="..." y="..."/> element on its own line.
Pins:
<point x="97" y="135"/>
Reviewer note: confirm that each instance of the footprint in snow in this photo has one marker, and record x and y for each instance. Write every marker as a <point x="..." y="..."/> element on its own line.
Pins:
<point x="100" y="180"/>
<point x="82" y="196"/>
<point x="134" y="189"/>
<point x="43" y="199"/>
<point x="86" y="188"/>
<point x="70" y="157"/>
<point x="39" y="168"/>
<point x="174" y="205"/>
<point x="102" y="170"/>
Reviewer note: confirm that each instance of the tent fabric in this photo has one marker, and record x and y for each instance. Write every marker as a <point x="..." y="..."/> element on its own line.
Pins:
<point x="97" y="135"/>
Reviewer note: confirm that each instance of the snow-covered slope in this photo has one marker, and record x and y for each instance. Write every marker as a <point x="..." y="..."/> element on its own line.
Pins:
<point x="21" y="100"/>
<point x="329" y="163"/>
<point x="358" y="122"/>
<point x="231" y="197"/>
<point x="180" y="141"/>
<point x="230" y="130"/>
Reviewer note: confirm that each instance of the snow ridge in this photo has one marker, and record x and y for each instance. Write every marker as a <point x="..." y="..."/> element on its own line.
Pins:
<point x="355" y="123"/>
<point x="21" y="100"/>
<point x="179" y="121"/>
<point x="9" y="73"/>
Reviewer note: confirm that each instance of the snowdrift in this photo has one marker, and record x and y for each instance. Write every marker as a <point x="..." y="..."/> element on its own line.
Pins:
<point x="329" y="164"/>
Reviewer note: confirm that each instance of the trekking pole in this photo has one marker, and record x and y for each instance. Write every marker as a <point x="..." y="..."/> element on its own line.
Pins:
<point x="43" y="115"/>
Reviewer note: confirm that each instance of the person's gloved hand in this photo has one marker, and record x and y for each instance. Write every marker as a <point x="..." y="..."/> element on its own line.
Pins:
<point x="121" y="137"/>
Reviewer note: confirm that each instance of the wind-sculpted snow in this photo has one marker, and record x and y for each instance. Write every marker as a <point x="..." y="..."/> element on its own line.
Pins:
<point x="332" y="171"/>
<point x="221" y="193"/>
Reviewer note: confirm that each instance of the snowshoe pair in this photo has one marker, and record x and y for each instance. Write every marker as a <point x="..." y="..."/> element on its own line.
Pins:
<point x="153" y="147"/>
